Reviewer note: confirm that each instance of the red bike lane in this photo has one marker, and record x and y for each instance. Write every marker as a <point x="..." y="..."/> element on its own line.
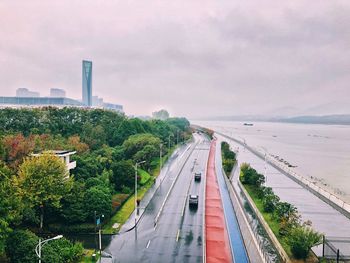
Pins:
<point x="217" y="241"/>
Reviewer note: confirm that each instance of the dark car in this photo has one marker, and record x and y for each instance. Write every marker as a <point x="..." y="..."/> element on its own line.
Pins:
<point x="193" y="200"/>
<point x="197" y="176"/>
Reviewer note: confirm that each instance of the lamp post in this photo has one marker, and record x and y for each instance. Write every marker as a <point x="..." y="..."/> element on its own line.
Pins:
<point x="42" y="243"/>
<point x="98" y="224"/>
<point x="136" y="213"/>
<point x="160" y="157"/>
<point x="265" y="161"/>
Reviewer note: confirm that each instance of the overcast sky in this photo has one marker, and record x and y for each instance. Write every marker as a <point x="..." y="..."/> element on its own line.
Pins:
<point x="194" y="58"/>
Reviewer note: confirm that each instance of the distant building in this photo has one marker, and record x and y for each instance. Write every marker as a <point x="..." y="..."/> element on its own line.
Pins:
<point x="38" y="102"/>
<point x="26" y="98"/>
<point x="87" y="82"/>
<point x="111" y="106"/>
<point x="23" y="92"/>
<point x="64" y="156"/>
<point x="57" y="93"/>
<point x="97" y="102"/>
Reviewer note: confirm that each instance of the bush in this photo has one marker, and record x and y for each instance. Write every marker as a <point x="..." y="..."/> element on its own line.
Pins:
<point x="270" y="202"/>
<point x="62" y="251"/>
<point x="250" y="176"/>
<point x="20" y="246"/>
<point x="301" y="239"/>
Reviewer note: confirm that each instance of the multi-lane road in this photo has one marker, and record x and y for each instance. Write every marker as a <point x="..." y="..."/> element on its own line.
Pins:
<point x="168" y="230"/>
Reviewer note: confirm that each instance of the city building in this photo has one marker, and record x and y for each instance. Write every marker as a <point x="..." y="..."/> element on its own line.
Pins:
<point x="38" y="102"/>
<point x="23" y="92"/>
<point x="87" y="82"/>
<point x="111" y="106"/>
<point x="57" y="93"/>
<point x="26" y="98"/>
<point x="97" y="102"/>
<point x="64" y="156"/>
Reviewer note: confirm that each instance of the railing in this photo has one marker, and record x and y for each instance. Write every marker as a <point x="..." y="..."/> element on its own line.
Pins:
<point x="325" y="195"/>
<point x="272" y="237"/>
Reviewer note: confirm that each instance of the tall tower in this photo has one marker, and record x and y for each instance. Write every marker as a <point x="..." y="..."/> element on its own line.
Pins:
<point x="87" y="83"/>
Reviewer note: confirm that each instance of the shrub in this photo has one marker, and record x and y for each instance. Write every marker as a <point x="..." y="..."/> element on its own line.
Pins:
<point x="250" y="176"/>
<point x="270" y="202"/>
<point x="301" y="239"/>
<point x="20" y="246"/>
<point x="62" y="251"/>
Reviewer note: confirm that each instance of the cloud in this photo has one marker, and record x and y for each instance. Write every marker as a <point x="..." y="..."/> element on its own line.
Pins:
<point x="195" y="58"/>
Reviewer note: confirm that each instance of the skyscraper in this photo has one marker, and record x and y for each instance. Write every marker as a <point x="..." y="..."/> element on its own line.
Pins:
<point x="87" y="83"/>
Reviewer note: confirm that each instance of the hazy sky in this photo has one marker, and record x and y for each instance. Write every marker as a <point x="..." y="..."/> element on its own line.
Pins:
<point x="194" y="58"/>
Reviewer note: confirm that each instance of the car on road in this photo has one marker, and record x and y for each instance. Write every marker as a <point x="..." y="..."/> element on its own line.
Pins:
<point x="197" y="176"/>
<point x="193" y="200"/>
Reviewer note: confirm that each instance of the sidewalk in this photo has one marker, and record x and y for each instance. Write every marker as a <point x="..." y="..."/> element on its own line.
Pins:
<point x="323" y="216"/>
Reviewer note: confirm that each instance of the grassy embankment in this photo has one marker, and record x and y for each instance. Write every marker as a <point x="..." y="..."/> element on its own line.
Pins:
<point x="127" y="208"/>
<point x="275" y="225"/>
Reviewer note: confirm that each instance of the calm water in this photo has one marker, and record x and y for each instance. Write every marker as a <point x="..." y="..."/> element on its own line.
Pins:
<point x="320" y="151"/>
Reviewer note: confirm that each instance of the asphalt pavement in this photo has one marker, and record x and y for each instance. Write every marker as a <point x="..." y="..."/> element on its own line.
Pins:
<point x="168" y="230"/>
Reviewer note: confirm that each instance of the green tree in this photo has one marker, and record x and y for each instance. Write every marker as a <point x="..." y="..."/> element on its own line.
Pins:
<point x="99" y="200"/>
<point x="250" y="176"/>
<point x="73" y="207"/>
<point x="301" y="239"/>
<point x="20" y="246"/>
<point x="10" y="204"/>
<point x="137" y="143"/>
<point x="270" y="202"/>
<point x="42" y="181"/>
<point x="123" y="175"/>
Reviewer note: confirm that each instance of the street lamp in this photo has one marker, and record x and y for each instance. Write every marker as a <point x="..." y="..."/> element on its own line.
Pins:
<point x="42" y="243"/>
<point x="160" y="157"/>
<point x="265" y="167"/>
<point x="136" y="212"/>
<point x="98" y="223"/>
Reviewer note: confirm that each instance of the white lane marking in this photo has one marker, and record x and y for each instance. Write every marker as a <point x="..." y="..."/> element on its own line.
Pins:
<point x="149" y="242"/>
<point x="177" y="236"/>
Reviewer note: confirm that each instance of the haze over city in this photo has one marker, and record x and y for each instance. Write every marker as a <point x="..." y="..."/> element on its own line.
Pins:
<point x="194" y="58"/>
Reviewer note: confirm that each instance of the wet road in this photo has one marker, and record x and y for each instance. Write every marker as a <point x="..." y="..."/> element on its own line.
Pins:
<point x="177" y="235"/>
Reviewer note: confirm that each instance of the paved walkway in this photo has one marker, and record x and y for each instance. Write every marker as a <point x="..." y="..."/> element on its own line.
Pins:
<point x="323" y="216"/>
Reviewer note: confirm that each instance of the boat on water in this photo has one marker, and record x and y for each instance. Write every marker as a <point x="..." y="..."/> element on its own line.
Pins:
<point x="248" y="124"/>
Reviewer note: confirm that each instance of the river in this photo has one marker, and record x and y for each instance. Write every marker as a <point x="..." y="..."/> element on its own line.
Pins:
<point x="319" y="152"/>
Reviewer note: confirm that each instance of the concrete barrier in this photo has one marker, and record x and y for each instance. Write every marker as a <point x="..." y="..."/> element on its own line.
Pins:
<point x="255" y="254"/>
<point x="320" y="192"/>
